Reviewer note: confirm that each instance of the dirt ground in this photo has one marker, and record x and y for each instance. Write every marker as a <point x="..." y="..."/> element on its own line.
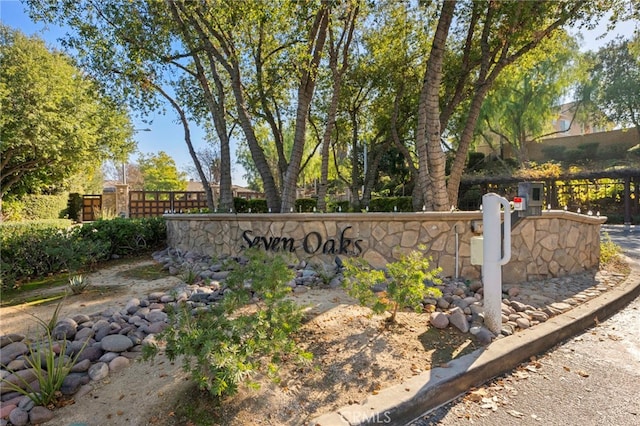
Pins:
<point x="355" y="355"/>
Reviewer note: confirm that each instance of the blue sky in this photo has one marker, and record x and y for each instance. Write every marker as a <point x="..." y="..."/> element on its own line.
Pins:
<point x="166" y="134"/>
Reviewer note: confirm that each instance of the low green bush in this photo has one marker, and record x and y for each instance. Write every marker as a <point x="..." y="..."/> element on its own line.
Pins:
<point x="257" y="205"/>
<point x="391" y="204"/>
<point x="609" y="251"/>
<point x="240" y="205"/>
<point x="227" y="345"/>
<point x="46" y="251"/>
<point x="74" y="207"/>
<point x="13" y="229"/>
<point x="338" y="206"/>
<point x="306" y="205"/>
<point x="36" y="207"/>
<point x="408" y="281"/>
<point x="126" y="236"/>
<point x="37" y="249"/>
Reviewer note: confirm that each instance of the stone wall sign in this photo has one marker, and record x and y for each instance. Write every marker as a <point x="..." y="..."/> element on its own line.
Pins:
<point x="538" y="251"/>
<point x="311" y="243"/>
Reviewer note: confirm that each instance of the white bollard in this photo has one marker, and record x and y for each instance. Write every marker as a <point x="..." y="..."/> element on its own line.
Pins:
<point x="493" y="259"/>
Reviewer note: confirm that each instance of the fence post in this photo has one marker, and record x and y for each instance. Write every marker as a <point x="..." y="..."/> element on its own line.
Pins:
<point x="627" y="203"/>
<point x="122" y="199"/>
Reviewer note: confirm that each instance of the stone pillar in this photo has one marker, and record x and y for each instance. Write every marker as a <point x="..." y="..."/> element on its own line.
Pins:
<point x="122" y="200"/>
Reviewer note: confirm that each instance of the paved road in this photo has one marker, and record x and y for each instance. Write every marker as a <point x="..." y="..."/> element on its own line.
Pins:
<point x="592" y="379"/>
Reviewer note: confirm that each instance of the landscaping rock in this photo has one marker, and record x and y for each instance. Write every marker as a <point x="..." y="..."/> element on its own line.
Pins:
<point x="439" y="320"/>
<point x="19" y="417"/>
<point x="40" y="414"/>
<point x="119" y="363"/>
<point x="99" y="371"/>
<point x="12" y="351"/>
<point x="116" y="343"/>
<point x="65" y="329"/>
<point x="10" y="338"/>
<point x="458" y="319"/>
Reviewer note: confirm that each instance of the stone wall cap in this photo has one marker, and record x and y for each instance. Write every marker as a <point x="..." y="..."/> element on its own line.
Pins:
<point x="307" y="217"/>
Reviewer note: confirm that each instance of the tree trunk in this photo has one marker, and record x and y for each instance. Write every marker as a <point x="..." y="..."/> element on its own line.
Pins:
<point x="431" y="157"/>
<point x="307" y="86"/>
<point x="334" y="49"/>
<point x="259" y="158"/>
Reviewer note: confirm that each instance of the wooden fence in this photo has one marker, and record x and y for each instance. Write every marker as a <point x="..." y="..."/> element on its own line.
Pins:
<point x="157" y="203"/>
<point x="91" y="207"/>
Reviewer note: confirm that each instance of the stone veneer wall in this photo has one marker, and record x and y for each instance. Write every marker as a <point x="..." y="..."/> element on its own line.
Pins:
<point x="555" y="244"/>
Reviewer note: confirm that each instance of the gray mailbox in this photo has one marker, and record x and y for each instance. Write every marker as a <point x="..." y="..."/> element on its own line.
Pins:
<point x="530" y="199"/>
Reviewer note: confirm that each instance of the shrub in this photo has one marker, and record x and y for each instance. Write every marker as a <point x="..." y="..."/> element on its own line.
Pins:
<point x="305" y="205"/>
<point x="609" y="251"/>
<point x="240" y="205"/>
<point x="12" y="229"/>
<point x="40" y="252"/>
<point x="74" y="207"/>
<point x="36" y="207"/>
<point x="38" y="249"/>
<point x="391" y="204"/>
<point x="224" y="347"/>
<point x="337" y="206"/>
<point x="405" y="283"/>
<point x="126" y="237"/>
<point x="257" y="205"/>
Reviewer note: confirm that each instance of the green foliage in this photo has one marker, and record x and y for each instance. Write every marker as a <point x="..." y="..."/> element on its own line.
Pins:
<point x="475" y="161"/>
<point x="391" y="204"/>
<point x="126" y="237"/>
<point x="78" y="283"/>
<point x="54" y="122"/>
<point x="38" y="249"/>
<point x="189" y="274"/>
<point x="35" y="207"/>
<point x="49" y="368"/>
<point x="160" y="173"/>
<point x="405" y="283"/>
<point x="305" y="205"/>
<point x="224" y="347"/>
<point x="44" y="251"/>
<point x="338" y="206"/>
<point x="74" y="206"/>
<point x="13" y="229"/>
<point x="615" y="80"/>
<point x="258" y="205"/>
<point x="609" y="251"/>
<point x="523" y="101"/>
<point x="240" y="205"/>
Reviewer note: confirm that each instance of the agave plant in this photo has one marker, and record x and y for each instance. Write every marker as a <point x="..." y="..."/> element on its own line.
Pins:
<point x="78" y="284"/>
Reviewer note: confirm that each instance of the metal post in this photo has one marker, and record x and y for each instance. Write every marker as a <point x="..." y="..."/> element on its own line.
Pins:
<point x="627" y="203"/>
<point x="493" y="259"/>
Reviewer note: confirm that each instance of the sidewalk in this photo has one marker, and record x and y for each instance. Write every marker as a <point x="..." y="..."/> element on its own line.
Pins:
<point x="403" y="403"/>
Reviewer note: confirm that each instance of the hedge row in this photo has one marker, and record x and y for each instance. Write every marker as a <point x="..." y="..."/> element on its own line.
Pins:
<point x="36" y="250"/>
<point x="36" y="207"/>
<point x="309" y="205"/>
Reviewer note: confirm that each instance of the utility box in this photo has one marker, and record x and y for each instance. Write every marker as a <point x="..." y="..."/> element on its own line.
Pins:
<point x="476" y="250"/>
<point x="531" y="195"/>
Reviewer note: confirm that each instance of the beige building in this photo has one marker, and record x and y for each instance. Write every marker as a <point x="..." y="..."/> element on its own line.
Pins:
<point x="571" y="139"/>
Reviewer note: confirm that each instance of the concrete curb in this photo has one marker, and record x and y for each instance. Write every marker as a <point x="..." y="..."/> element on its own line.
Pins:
<point x="400" y="404"/>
